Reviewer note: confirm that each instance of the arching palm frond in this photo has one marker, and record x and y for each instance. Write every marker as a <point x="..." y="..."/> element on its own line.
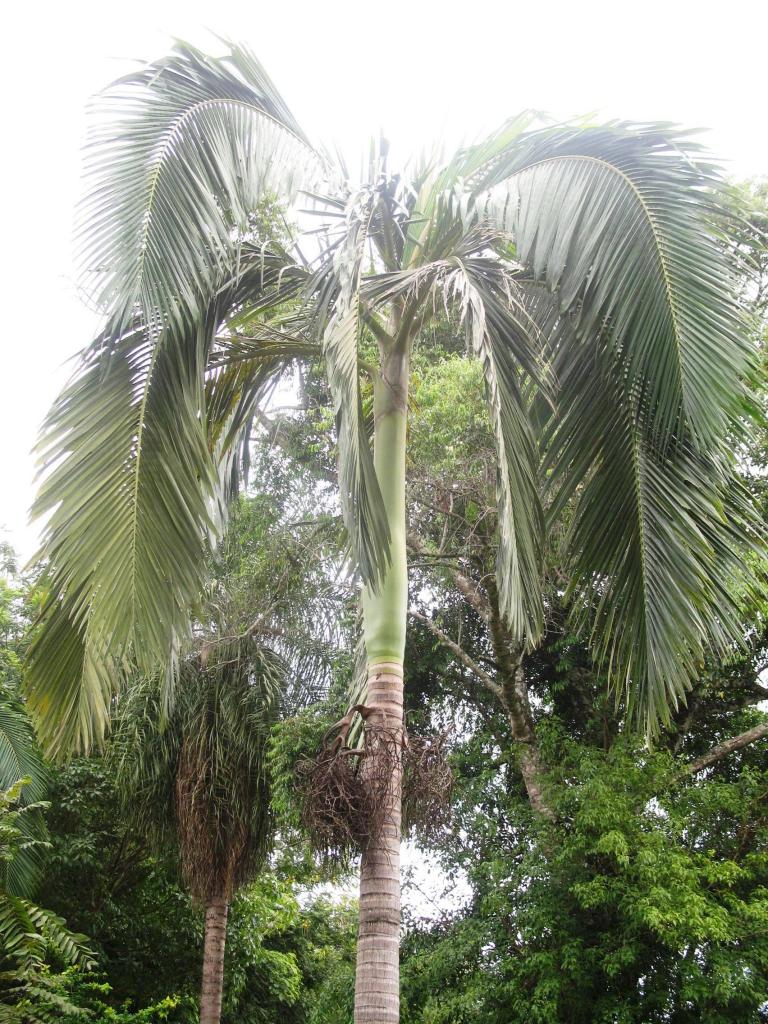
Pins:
<point x="339" y="286"/>
<point x="505" y="339"/>
<point x="621" y="222"/>
<point x="658" y="532"/>
<point x="618" y="229"/>
<point x="182" y="153"/>
<point x="137" y="455"/>
<point x="136" y="467"/>
<point x="657" y="538"/>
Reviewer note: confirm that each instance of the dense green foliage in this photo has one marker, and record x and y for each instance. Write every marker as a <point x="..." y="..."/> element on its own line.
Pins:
<point x="33" y="940"/>
<point x="647" y="902"/>
<point x="129" y="898"/>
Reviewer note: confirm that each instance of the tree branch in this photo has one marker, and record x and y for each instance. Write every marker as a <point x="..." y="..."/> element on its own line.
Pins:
<point x="275" y="437"/>
<point x="722" y="750"/>
<point x="460" y="653"/>
<point x="466" y="587"/>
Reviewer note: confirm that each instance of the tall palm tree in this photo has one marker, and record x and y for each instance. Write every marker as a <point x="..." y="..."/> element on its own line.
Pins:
<point x="192" y="770"/>
<point x="585" y="264"/>
<point x="196" y="778"/>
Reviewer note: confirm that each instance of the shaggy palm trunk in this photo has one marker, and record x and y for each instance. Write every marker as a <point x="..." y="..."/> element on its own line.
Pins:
<point x="216" y="912"/>
<point x="377" y="986"/>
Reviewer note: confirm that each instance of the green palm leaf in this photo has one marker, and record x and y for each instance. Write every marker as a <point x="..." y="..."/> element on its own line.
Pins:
<point x="339" y="290"/>
<point x="21" y="758"/>
<point x="657" y="538"/>
<point x="183" y="152"/>
<point x="621" y="223"/>
<point x="137" y="459"/>
<point x="506" y="341"/>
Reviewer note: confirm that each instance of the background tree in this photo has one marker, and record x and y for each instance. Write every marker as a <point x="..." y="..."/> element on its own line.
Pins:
<point x="104" y="877"/>
<point x="32" y="939"/>
<point x="20" y="754"/>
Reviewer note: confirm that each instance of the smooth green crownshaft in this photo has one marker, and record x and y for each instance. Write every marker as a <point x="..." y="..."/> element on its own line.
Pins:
<point x="385" y="611"/>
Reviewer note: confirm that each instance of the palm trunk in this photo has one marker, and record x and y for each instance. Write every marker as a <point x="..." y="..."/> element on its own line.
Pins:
<point x="216" y="912"/>
<point x="377" y="984"/>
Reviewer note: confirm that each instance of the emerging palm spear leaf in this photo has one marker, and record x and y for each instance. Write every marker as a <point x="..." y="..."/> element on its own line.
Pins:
<point x="585" y="264"/>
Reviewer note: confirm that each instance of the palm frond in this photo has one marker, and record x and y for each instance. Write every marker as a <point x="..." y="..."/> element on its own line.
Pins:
<point x="361" y="501"/>
<point x="181" y="154"/>
<point x="130" y="498"/>
<point x="137" y="458"/>
<point x="658" y="531"/>
<point x="22" y="940"/>
<point x="621" y="223"/>
<point x="506" y="341"/>
<point x="69" y="682"/>
<point x="21" y="758"/>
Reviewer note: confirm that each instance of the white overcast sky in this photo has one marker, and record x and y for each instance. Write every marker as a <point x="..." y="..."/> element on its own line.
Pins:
<point x="419" y="70"/>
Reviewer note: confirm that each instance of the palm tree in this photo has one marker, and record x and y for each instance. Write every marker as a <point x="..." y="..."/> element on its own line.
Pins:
<point x="585" y="264"/>
<point x="196" y="778"/>
<point x="192" y="771"/>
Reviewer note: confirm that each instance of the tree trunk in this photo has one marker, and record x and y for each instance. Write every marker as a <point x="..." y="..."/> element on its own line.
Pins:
<point x="377" y="982"/>
<point x="518" y="708"/>
<point x="216" y="912"/>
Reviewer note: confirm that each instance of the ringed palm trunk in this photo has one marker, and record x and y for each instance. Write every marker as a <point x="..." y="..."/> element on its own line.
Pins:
<point x="377" y="984"/>
<point x="216" y="911"/>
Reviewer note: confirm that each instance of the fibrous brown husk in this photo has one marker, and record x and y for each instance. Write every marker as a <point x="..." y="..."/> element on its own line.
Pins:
<point x="345" y="792"/>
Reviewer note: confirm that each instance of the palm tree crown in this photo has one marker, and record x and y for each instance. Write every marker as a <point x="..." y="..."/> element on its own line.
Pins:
<point x="585" y="264"/>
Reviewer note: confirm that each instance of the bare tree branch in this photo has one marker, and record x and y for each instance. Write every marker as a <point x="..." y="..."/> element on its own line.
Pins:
<point x="722" y="750"/>
<point x="460" y="653"/>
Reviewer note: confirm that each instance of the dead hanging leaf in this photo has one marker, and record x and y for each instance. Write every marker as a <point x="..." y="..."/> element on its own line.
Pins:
<point x="346" y="792"/>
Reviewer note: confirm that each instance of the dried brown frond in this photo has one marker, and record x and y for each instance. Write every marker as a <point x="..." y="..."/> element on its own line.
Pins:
<point x="345" y="791"/>
<point x="427" y="785"/>
<point x="213" y="852"/>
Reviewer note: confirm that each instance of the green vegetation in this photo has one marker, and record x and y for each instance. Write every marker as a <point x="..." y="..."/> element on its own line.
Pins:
<point x="489" y="451"/>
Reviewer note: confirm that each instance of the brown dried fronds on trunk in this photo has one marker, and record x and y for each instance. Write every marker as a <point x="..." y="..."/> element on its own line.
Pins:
<point x="213" y="852"/>
<point x="345" y="791"/>
<point x="427" y="785"/>
<point x="331" y="797"/>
